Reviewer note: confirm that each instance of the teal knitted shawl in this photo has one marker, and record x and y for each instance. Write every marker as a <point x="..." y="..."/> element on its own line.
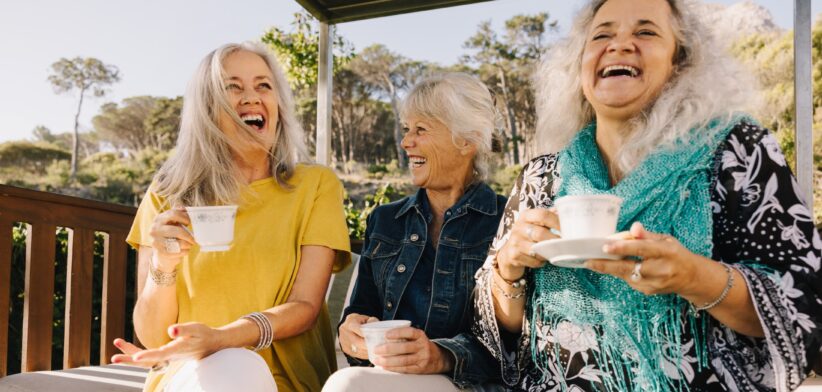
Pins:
<point x="633" y="334"/>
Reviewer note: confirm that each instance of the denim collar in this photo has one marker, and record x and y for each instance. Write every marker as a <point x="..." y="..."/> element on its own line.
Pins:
<point x="479" y="197"/>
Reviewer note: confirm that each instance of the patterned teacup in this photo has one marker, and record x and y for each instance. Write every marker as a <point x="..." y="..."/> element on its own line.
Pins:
<point x="588" y="216"/>
<point x="213" y="227"/>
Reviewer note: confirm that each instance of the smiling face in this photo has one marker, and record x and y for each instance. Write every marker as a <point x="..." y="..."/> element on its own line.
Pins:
<point x="628" y="57"/>
<point x="435" y="161"/>
<point x="251" y="92"/>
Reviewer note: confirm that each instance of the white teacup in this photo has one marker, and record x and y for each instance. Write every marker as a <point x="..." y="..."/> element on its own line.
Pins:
<point x="374" y="333"/>
<point x="213" y="227"/>
<point x="588" y="216"/>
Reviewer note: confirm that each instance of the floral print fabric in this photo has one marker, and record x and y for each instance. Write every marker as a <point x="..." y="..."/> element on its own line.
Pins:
<point x="761" y="225"/>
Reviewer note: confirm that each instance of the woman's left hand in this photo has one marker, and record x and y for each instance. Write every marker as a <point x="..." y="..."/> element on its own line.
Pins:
<point x="666" y="266"/>
<point x="416" y="355"/>
<point x="189" y="341"/>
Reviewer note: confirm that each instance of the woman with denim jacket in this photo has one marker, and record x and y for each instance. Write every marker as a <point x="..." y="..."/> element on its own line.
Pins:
<point x="420" y="253"/>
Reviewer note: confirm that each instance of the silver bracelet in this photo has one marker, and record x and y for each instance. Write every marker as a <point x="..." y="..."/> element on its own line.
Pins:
<point x="266" y="331"/>
<point x="730" y="283"/>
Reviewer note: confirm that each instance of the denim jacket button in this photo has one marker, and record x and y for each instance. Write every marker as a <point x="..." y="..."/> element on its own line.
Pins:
<point x="401" y="268"/>
<point x="389" y="305"/>
<point x="414" y="237"/>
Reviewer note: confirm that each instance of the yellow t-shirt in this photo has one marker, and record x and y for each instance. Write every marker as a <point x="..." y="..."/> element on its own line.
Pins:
<point x="259" y="270"/>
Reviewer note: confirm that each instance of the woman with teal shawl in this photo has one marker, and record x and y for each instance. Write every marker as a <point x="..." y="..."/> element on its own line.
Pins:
<point x="718" y="287"/>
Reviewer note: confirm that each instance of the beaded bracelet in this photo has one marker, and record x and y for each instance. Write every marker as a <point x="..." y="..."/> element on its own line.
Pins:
<point x="695" y="309"/>
<point x="515" y="284"/>
<point x="504" y="294"/>
<point x="266" y="331"/>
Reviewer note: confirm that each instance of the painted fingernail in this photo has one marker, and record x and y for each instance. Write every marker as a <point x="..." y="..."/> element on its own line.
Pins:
<point x="174" y="331"/>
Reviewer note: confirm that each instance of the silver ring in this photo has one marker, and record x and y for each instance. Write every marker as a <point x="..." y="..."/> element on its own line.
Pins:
<point x="172" y="245"/>
<point x="636" y="275"/>
<point x="528" y="232"/>
<point x="353" y="348"/>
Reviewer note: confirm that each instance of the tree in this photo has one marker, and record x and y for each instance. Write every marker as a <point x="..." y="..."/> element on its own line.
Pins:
<point x="43" y="134"/>
<point x="390" y="74"/>
<point x="299" y="49"/>
<point x="506" y="64"/>
<point x="298" y="52"/>
<point x="163" y="122"/>
<point x="33" y="158"/>
<point x="770" y="58"/>
<point x="139" y="123"/>
<point x="84" y="75"/>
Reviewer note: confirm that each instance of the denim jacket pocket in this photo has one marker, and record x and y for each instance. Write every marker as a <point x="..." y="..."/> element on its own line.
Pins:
<point x="382" y="252"/>
<point x="473" y="256"/>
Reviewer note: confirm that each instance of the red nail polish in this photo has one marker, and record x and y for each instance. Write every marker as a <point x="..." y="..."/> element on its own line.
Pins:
<point x="174" y="331"/>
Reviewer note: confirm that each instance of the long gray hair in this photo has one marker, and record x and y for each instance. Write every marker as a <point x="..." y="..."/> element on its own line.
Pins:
<point x="706" y="84"/>
<point x="202" y="171"/>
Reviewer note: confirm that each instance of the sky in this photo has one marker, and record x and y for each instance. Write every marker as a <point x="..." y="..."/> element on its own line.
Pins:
<point x="156" y="44"/>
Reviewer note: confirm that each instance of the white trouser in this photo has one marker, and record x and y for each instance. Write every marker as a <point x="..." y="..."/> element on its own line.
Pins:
<point x="229" y="370"/>
<point x="368" y="379"/>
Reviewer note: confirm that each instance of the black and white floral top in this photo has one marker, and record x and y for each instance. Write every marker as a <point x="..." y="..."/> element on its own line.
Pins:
<point x="759" y="216"/>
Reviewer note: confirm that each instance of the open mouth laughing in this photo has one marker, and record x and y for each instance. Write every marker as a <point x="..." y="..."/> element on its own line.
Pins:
<point x="416" y="161"/>
<point x="254" y="120"/>
<point x="618" y="70"/>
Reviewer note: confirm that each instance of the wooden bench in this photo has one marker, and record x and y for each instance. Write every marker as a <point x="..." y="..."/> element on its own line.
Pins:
<point x="43" y="213"/>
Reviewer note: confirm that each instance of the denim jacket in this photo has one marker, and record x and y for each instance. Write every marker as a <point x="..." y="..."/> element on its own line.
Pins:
<point x="395" y="238"/>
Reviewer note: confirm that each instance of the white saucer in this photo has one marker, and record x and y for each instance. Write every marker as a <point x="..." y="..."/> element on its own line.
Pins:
<point x="572" y="253"/>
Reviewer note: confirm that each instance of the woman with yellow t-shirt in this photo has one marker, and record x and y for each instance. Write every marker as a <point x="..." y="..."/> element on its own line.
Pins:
<point x="240" y="144"/>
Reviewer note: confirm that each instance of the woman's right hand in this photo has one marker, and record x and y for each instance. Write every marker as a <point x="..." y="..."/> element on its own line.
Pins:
<point x="351" y="339"/>
<point x="532" y="226"/>
<point x="166" y="229"/>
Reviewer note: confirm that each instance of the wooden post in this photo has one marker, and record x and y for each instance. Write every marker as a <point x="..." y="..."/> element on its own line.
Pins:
<point x="5" y="283"/>
<point x="803" y="96"/>
<point x="114" y="294"/>
<point x="39" y="303"/>
<point x="324" y="86"/>
<point x="77" y="338"/>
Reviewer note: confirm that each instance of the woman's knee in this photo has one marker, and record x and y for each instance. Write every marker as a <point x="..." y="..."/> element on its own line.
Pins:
<point x="231" y="369"/>
<point x="350" y="379"/>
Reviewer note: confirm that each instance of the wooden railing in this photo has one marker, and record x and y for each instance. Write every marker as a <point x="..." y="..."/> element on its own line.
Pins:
<point x="43" y="213"/>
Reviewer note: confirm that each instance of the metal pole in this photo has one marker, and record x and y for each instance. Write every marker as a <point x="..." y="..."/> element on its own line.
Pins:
<point x="803" y="90"/>
<point x="324" y="96"/>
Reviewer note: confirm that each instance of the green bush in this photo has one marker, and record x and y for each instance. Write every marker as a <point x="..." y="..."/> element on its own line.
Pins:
<point x="355" y="217"/>
<point x="377" y="168"/>
<point x="503" y="178"/>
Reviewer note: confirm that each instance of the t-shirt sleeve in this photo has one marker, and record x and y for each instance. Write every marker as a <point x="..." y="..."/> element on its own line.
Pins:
<point x="151" y="206"/>
<point x="325" y="225"/>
